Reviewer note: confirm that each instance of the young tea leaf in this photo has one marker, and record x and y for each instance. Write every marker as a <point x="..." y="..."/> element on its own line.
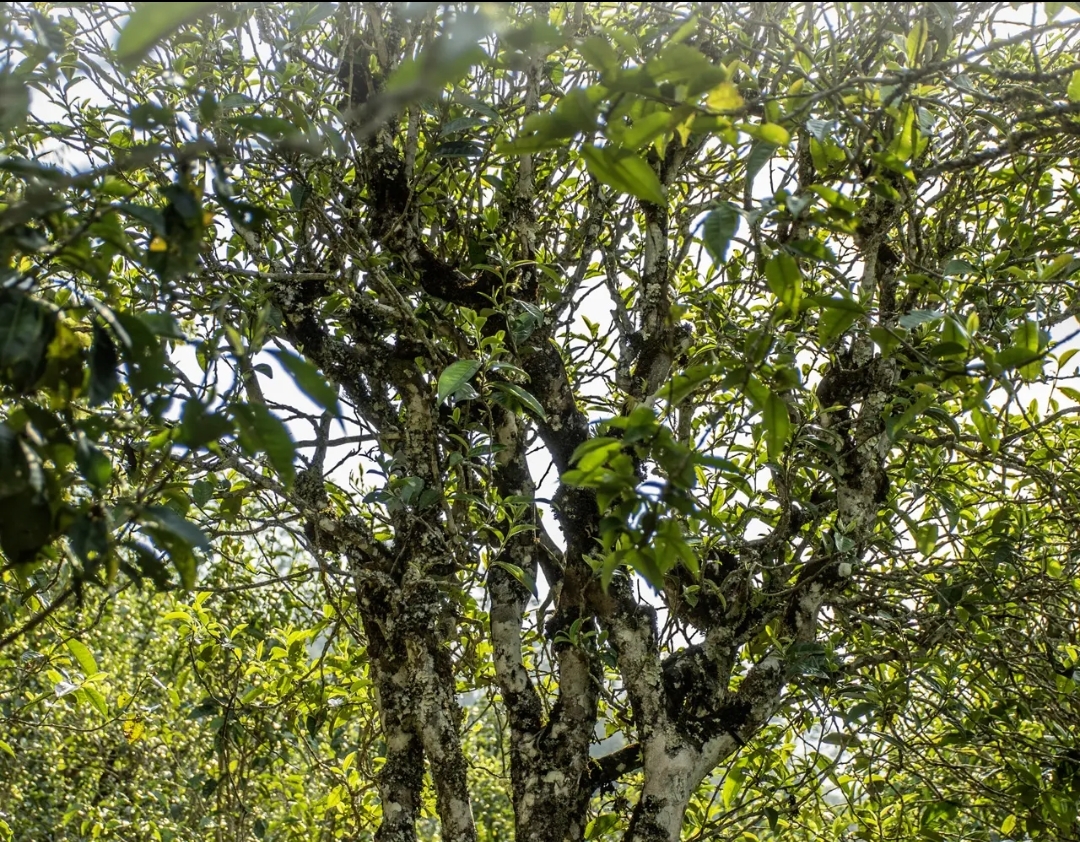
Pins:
<point x="785" y="280"/>
<point x="522" y="397"/>
<point x="454" y="376"/>
<point x="777" y="425"/>
<point x="625" y="171"/>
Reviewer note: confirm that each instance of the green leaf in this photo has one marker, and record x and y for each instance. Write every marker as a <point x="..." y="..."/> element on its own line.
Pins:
<point x="201" y="492"/>
<point x="235" y="100"/>
<point x="916" y="42"/>
<point x="777" y="425"/>
<point x="785" y="280"/>
<point x="149" y="564"/>
<point x="262" y="432"/>
<point x="1061" y="265"/>
<point x="458" y="149"/>
<point x="94" y="465"/>
<point x="819" y="129"/>
<point x="576" y="112"/>
<point x="939" y="414"/>
<point x="180" y="555"/>
<point x="26" y="329"/>
<point x="198" y="427"/>
<point x="15" y="471"/>
<point x="718" y="228"/>
<point x="446" y="60"/>
<point x="682" y="385"/>
<point x="84" y="657"/>
<point x="522" y="397"/>
<point x="150" y="23"/>
<point x="954" y="334"/>
<point x="986" y="427"/>
<point x="94" y="696"/>
<point x="459" y="125"/>
<point x="176" y="525"/>
<point x="606" y="444"/>
<point x="1012" y="357"/>
<point x="812" y="249"/>
<point x="625" y="171"/>
<point x="601" y="825"/>
<point x="644" y="561"/>
<point x="104" y="365"/>
<point x="310" y="380"/>
<point x="523" y="579"/>
<point x="724" y="97"/>
<point x="299" y="193"/>
<point x="895" y="424"/>
<point x="959" y="267"/>
<point x="732" y="784"/>
<point x="835" y="199"/>
<point x="918" y="317"/>
<point x="1073" y="91"/>
<point x="646" y="129"/>
<point x="760" y="153"/>
<point x="598" y="52"/>
<point x="926" y="537"/>
<point x="14" y="100"/>
<point x="454" y="376"/>
<point x="161" y="324"/>
<point x="1025" y="351"/>
<point x="88" y="537"/>
<point x="1026" y="336"/>
<point x="834" y="322"/>
<point x="836" y="302"/>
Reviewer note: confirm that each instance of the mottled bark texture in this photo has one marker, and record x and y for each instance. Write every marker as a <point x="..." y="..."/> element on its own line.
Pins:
<point x="690" y="708"/>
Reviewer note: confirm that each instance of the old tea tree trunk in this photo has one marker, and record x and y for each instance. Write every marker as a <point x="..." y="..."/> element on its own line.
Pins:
<point x="460" y="349"/>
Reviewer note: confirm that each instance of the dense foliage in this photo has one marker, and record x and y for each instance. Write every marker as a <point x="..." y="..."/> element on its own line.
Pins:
<point x="547" y="421"/>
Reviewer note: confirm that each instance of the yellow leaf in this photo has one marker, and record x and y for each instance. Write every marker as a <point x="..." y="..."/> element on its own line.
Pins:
<point x="683" y="129"/>
<point x="774" y="133"/>
<point x="724" y="97"/>
<point x="134" y="729"/>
